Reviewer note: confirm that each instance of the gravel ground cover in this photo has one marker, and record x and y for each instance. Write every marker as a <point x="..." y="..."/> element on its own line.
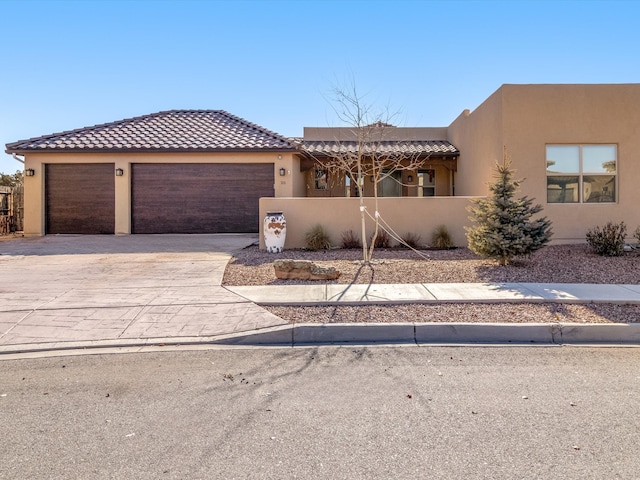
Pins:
<point x="555" y="263"/>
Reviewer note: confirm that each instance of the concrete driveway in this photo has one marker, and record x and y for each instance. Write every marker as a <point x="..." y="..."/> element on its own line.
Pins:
<point x="60" y="291"/>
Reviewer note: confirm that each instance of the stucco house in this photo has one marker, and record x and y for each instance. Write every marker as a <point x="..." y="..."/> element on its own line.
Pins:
<point x="207" y="171"/>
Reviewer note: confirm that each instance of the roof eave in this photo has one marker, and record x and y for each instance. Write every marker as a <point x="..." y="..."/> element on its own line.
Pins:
<point x="28" y="151"/>
<point x="419" y="155"/>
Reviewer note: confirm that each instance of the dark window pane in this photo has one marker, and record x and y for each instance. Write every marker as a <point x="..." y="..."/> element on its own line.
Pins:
<point x="563" y="189"/>
<point x="599" y="188"/>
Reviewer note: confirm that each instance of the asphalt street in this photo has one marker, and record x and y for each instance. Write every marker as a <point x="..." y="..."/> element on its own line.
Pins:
<point x="324" y="412"/>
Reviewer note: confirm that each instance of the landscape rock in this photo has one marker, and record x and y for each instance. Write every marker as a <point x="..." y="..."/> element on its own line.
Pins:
<point x="303" y="270"/>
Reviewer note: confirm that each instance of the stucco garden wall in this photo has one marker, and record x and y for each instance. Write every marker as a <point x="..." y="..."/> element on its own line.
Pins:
<point x="418" y="216"/>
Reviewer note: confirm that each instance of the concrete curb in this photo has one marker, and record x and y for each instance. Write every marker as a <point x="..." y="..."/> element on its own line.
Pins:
<point x="440" y="333"/>
<point x="362" y="334"/>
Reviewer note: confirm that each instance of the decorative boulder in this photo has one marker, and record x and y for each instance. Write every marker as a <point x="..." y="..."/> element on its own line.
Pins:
<point x="303" y="270"/>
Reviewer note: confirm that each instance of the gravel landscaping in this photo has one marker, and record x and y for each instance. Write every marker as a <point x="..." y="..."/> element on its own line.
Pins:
<point x="555" y="263"/>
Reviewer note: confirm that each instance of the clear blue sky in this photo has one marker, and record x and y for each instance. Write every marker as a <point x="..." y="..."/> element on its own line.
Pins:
<point x="69" y="64"/>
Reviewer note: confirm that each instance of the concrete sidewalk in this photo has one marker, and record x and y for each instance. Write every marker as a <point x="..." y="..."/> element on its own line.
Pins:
<point x="379" y="294"/>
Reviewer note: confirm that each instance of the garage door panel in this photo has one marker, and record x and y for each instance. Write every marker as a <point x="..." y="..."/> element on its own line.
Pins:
<point x="80" y="198"/>
<point x="198" y="198"/>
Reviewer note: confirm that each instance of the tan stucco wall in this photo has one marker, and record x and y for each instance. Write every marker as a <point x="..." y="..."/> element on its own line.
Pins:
<point x="537" y="115"/>
<point x="34" y="201"/>
<point x="478" y="137"/>
<point x="405" y="215"/>
<point x="337" y="134"/>
<point x="525" y="118"/>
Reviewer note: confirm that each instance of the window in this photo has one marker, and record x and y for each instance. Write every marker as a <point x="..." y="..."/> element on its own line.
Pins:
<point x="426" y="183"/>
<point x="581" y="173"/>
<point x="320" y="176"/>
<point x="391" y="184"/>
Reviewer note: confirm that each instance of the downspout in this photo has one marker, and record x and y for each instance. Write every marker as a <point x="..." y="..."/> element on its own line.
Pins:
<point x="15" y="157"/>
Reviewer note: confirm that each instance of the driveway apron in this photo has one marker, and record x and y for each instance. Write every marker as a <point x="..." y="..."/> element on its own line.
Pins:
<point x="73" y="288"/>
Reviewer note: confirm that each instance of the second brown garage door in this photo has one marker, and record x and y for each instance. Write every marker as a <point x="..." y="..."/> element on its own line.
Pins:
<point x="198" y="198"/>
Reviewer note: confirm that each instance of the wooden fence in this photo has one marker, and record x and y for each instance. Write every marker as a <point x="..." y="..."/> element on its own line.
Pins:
<point x="11" y="209"/>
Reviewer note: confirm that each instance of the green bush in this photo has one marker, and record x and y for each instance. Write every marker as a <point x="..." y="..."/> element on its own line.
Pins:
<point x="636" y="234"/>
<point x="607" y="240"/>
<point x="350" y="240"/>
<point x="317" y="239"/>
<point x="440" y="238"/>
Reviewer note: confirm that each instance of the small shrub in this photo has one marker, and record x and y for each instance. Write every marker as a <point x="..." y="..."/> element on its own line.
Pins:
<point x="607" y="240"/>
<point x="351" y="240"/>
<point x="411" y="240"/>
<point x="383" y="240"/>
<point x="317" y="239"/>
<point x="441" y="238"/>
<point x="636" y="234"/>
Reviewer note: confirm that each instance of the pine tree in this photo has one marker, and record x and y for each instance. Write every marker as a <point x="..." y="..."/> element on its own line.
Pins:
<point x="503" y="224"/>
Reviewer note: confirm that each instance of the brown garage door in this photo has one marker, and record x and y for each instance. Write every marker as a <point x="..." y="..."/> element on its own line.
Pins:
<point x="198" y="198"/>
<point x="80" y="198"/>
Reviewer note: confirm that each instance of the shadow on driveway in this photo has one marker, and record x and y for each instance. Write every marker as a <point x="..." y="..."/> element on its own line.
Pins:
<point x="97" y="244"/>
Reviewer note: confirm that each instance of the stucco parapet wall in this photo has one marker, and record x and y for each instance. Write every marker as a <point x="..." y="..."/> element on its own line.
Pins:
<point x="416" y="215"/>
<point x="387" y="133"/>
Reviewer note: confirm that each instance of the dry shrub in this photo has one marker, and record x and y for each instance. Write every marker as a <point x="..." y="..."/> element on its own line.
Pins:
<point x="317" y="239"/>
<point x="351" y="240"/>
<point x="441" y="238"/>
<point x="411" y="240"/>
<point x="383" y="240"/>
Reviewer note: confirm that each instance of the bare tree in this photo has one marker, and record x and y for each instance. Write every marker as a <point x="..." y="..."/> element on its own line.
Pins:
<point x="369" y="151"/>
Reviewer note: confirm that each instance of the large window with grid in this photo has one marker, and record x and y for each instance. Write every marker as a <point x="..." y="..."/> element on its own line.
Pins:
<point x="581" y="173"/>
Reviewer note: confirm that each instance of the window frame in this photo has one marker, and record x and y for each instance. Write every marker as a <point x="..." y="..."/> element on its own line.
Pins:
<point x="581" y="174"/>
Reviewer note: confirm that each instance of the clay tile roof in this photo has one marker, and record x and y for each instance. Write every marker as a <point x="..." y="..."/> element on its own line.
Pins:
<point x="410" y="147"/>
<point x="173" y="130"/>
